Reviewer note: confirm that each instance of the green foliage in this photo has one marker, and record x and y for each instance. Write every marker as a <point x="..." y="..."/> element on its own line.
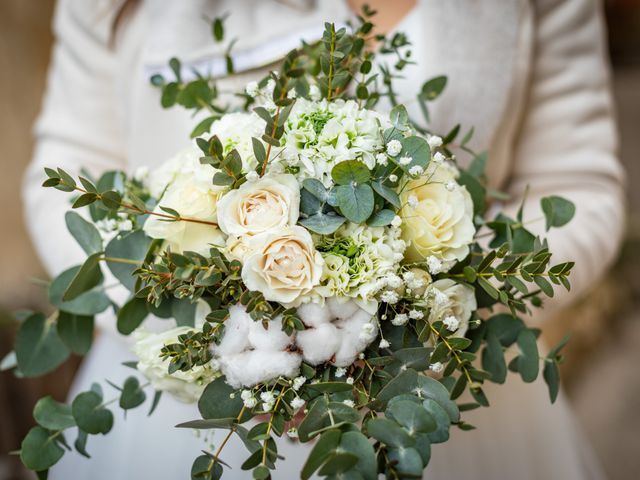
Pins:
<point x="76" y="331"/>
<point x="558" y="211"/>
<point x="84" y="232"/>
<point x="53" y="415"/>
<point x="39" y="349"/>
<point x="41" y="449"/>
<point x="90" y="414"/>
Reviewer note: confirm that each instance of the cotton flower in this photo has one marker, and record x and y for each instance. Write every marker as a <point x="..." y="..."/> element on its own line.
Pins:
<point x="451" y="323"/>
<point x="434" y="141"/>
<point x="384" y="344"/>
<point x="394" y="147"/>
<point x="437" y="367"/>
<point x="400" y="319"/>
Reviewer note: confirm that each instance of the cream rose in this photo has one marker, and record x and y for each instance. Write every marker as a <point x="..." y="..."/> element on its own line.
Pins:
<point x="284" y="266"/>
<point x="268" y="204"/>
<point x="437" y="216"/>
<point x="452" y="302"/>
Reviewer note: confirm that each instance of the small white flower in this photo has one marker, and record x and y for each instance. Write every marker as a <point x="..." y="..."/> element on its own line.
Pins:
<point x="349" y="403"/>
<point x="434" y="264"/>
<point x="400" y="319"/>
<point x="393" y="178"/>
<point x="440" y="298"/>
<point x="298" y="382"/>
<point x="396" y="222"/>
<point x="389" y="296"/>
<point x="271" y="84"/>
<point x="340" y="372"/>
<point x="450" y="185"/>
<point x="252" y="89"/>
<point x="416" y="314"/>
<point x="405" y="160"/>
<point x="314" y="93"/>
<point x="266" y="397"/>
<point x="361" y="356"/>
<point x="292" y="432"/>
<point x="252" y="176"/>
<point x="412" y="201"/>
<point x="408" y="276"/>
<point x="436" y="367"/>
<point x="451" y="323"/>
<point x="250" y="402"/>
<point x="384" y="343"/>
<point x="297" y="403"/>
<point x="125" y="225"/>
<point x="394" y="147"/>
<point x="439" y="158"/>
<point x="416" y="171"/>
<point x="434" y="141"/>
<point x="393" y="280"/>
<point x="382" y="159"/>
<point x="398" y="257"/>
<point x="350" y="380"/>
<point x="266" y="407"/>
<point x="292" y="93"/>
<point x="367" y="330"/>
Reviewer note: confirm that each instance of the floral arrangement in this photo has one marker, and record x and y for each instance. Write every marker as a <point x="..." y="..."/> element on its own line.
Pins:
<point x="327" y="272"/>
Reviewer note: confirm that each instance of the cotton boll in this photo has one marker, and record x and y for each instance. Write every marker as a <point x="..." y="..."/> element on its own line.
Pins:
<point x="357" y="333"/>
<point x="319" y="344"/>
<point x="271" y="338"/>
<point x="255" y="366"/>
<point x="340" y="309"/>
<point x="314" y="314"/>
<point x="236" y="332"/>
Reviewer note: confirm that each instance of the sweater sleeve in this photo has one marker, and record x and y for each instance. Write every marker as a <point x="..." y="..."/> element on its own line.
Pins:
<point x="568" y="142"/>
<point x="78" y="127"/>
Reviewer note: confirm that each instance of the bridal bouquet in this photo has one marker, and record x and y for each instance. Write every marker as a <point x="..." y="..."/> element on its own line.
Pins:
<point x="326" y="271"/>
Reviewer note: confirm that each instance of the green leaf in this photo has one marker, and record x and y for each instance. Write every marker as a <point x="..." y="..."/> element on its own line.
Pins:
<point x="131" y="315"/>
<point x="331" y="387"/>
<point x="324" y="414"/>
<point x="38" y="346"/>
<point x="204" y="468"/>
<point x="84" y="232"/>
<point x="132" y="395"/>
<point x="399" y="117"/>
<point x="323" y="223"/>
<point x="89" y="303"/>
<point x="208" y="424"/>
<point x="558" y="211"/>
<point x="407" y="461"/>
<point x="350" y="172"/>
<point x="476" y="190"/>
<point x="216" y="401"/>
<point x="184" y="312"/>
<point x="90" y="415"/>
<point x="418" y="150"/>
<point x="218" y="29"/>
<point x="387" y="193"/>
<point x="39" y="449"/>
<point x="551" y="375"/>
<point x="88" y="276"/>
<point x="381" y="218"/>
<point x="327" y="443"/>
<point x="132" y="246"/>
<point x="355" y="201"/>
<point x="493" y="359"/>
<point x="529" y="360"/>
<point x="442" y="419"/>
<point x="357" y="443"/>
<point x="505" y="327"/>
<point x="411" y="416"/>
<point x="53" y="415"/>
<point x="203" y="127"/>
<point x="389" y="433"/>
<point x="338" y="463"/>
<point x="433" y="87"/>
<point x="258" y="150"/>
<point x="81" y="443"/>
<point x="76" y="331"/>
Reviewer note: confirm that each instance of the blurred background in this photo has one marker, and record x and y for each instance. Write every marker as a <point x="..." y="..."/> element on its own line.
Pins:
<point x="600" y="373"/>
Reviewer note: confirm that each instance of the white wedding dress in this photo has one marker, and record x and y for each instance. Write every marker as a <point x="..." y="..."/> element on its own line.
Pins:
<point x="101" y="113"/>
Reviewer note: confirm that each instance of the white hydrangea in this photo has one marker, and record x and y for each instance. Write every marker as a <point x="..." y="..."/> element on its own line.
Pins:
<point x="184" y="386"/>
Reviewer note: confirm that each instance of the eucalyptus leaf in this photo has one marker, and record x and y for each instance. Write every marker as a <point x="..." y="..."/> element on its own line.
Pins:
<point x="85" y="233"/>
<point x="355" y="202"/>
<point x="132" y="247"/>
<point x="53" y="415"/>
<point x="131" y="315"/>
<point x="558" y="211"/>
<point x="89" y="303"/>
<point x="39" y="450"/>
<point x="87" y="277"/>
<point x="90" y="414"/>
<point x="38" y="347"/>
<point x="76" y="331"/>
<point x="324" y="224"/>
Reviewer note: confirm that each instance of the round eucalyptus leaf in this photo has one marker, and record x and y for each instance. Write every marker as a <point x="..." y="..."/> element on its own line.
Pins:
<point x="350" y="172"/>
<point x="76" y="331"/>
<point x="85" y="233"/>
<point x="414" y="418"/>
<point x="90" y="415"/>
<point x="389" y="433"/>
<point x="38" y="346"/>
<point x="356" y="443"/>
<point x="355" y="201"/>
<point x="217" y="402"/>
<point x="203" y="468"/>
<point x="409" y="461"/>
<point x="39" y="449"/>
<point x="131" y="315"/>
<point x="53" y="415"/>
<point x="89" y="303"/>
<point x="130" y="246"/>
<point x="132" y="395"/>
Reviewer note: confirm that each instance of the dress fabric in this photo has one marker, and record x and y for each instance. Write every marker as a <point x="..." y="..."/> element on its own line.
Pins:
<point x="530" y="76"/>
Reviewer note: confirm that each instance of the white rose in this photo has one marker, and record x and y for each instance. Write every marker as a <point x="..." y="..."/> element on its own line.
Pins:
<point x="270" y="203"/>
<point x="461" y="303"/>
<point x="185" y="386"/>
<point x="184" y="185"/>
<point x="438" y="221"/>
<point x="284" y="266"/>
<point x="237" y="248"/>
<point x="235" y="131"/>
